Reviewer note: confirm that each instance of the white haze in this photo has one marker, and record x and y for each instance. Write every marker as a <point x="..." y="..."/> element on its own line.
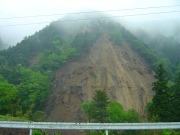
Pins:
<point x="23" y="8"/>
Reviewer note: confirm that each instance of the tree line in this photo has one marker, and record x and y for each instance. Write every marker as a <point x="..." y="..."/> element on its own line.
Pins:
<point x="26" y="70"/>
<point x="165" y="103"/>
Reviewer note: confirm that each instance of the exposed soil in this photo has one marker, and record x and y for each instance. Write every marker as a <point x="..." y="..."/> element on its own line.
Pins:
<point x="118" y="70"/>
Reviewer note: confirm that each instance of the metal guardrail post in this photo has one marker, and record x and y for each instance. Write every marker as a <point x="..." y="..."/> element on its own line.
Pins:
<point x="106" y="132"/>
<point x="30" y="131"/>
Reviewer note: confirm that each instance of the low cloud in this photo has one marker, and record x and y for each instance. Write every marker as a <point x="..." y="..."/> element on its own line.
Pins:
<point x="23" y="8"/>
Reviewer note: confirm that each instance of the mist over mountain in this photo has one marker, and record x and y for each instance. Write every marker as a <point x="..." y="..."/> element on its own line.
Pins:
<point x="2" y="45"/>
<point x="161" y="35"/>
<point x="164" y="27"/>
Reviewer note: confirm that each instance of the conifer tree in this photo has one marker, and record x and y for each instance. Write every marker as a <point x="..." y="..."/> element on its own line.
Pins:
<point x="160" y="107"/>
<point x="175" y="103"/>
<point x="100" y="103"/>
<point x="97" y="110"/>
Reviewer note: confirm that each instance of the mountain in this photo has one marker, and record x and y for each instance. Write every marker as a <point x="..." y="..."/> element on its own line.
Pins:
<point x="119" y="70"/>
<point x="59" y="67"/>
<point x="52" y="72"/>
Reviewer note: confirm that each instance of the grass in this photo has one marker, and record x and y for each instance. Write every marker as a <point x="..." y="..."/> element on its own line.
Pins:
<point x="10" y="118"/>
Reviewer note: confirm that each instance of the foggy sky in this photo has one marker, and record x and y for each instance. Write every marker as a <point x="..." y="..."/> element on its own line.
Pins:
<point x="23" y="8"/>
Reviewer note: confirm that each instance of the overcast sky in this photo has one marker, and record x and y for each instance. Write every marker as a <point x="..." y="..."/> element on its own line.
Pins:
<point x="24" y="8"/>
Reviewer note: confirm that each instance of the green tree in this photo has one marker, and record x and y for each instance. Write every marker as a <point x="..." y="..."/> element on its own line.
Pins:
<point x="132" y="116"/>
<point x="101" y="104"/>
<point x="33" y="88"/>
<point x="103" y="110"/>
<point x="97" y="110"/>
<point x="8" y="98"/>
<point x="116" y="113"/>
<point x="175" y="102"/>
<point x="84" y="41"/>
<point x="116" y="36"/>
<point x="88" y="109"/>
<point x="38" y="116"/>
<point x="160" y="107"/>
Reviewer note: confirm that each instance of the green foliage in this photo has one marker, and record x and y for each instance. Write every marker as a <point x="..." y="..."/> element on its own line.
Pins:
<point x="167" y="46"/>
<point x="43" y="132"/>
<point x="95" y="133"/>
<point x="160" y="107"/>
<point x="38" y="116"/>
<point x="97" y="109"/>
<point x="33" y="88"/>
<point x="100" y="105"/>
<point x="88" y="109"/>
<point x="103" y="110"/>
<point x="8" y="117"/>
<point x="59" y="53"/>
<point x="116" y="113"/>
<point x="175" y="101"/>
<point x="158" y="132"/>
<point x="39" y="132"/>
<point x="116" y="36"/>
<point x="9" y="98"/>
<point x="47" y="41"/>
<point x="25" y="72"/>
<point x="165" y="102"/>
<point x="56" y="133"/>
<point x="52" y="60"/>
<point x="93" y="74"/>
<point x="44" y="51"/>
<point x="132" y="116"/>
<point x="151" y="56"/>
<point x="21" y="53"/>
<point x="27" y="65"/>
<point x="167" y="66"/>
<point x="84" y="41"/>
<point x="23" y="85"/>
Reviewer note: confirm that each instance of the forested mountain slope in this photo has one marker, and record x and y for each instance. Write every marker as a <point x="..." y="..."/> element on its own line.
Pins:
<point x="58" y="68"/>
<point x="168" y="46"/>
<point x="163" y="37"/>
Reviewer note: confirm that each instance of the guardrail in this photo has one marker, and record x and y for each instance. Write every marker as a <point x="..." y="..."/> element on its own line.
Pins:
<point x="89" y="126"/>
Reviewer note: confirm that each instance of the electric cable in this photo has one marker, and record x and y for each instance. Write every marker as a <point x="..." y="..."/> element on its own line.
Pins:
<point x="88" y="12"/>
<point x="85" y="19"/>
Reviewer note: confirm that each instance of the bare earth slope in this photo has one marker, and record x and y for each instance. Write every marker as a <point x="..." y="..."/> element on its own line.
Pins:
<point x="117" y="69"/>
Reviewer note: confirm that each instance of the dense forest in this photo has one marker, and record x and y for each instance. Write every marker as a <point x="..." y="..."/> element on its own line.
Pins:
<point x="167" y="47"/>
<point x="27" y="69"/>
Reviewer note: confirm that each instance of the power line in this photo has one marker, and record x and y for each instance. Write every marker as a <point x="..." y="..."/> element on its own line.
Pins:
<point x="19" y="17"/>
<point x="85" y="19"/>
